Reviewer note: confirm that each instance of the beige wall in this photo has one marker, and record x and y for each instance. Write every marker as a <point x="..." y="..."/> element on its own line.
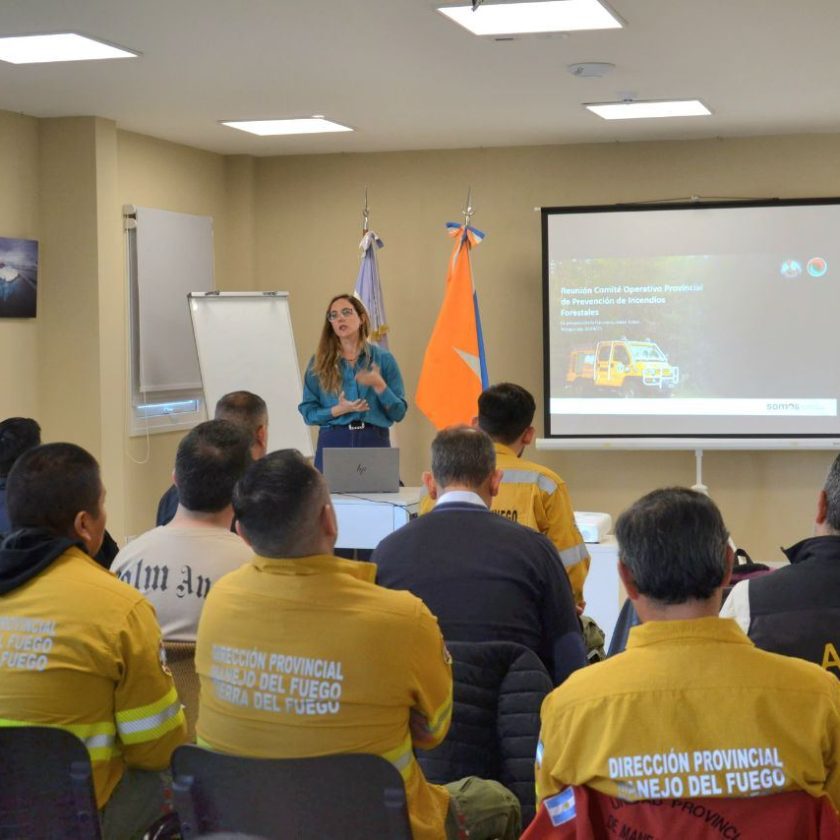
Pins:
<point x="168" y="176"/>
<point x="19" y="220"/>
<point x="66" y="180"/>
<point x="308" y="223"/>
<point x="294" y="223"/>
<point x="68" y="297"/>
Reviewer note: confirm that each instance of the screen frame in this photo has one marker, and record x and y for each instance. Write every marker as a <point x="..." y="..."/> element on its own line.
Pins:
<point x="658" y="440"/>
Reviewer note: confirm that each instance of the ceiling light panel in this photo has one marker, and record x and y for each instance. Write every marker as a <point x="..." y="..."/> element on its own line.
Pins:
<point x="308" y="125"/>
<point x="649" y="110"/>
<point x="522" y="18"/>
<point x="61" y="46"/>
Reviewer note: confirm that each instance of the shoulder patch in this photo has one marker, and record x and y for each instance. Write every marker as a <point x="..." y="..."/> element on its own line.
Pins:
<point x="162" y="659"/>
<point x="561" y="807"/>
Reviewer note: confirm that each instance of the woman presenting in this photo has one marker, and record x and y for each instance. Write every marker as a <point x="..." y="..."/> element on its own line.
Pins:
<point x="352" y="389"/>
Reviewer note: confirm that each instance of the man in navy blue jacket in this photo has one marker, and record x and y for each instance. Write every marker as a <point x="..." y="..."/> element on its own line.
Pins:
<point x="484" y="577"/>
<point x="796" y="610"/>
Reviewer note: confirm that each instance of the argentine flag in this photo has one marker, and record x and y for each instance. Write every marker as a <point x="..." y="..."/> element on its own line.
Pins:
<point x="561" y="808"/>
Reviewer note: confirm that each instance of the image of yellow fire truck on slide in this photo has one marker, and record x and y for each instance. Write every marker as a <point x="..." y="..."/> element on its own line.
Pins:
<point x="630" y="368"/>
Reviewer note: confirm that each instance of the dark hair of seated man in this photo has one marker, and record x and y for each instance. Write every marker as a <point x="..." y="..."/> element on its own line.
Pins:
<point x="688" y="529"/>
<point x="248" y="410"/>
<point x="276" y="504"/>
<point x="209" y="462"/>
<point x="17" y="435"/>
<point x="505" y="411"/>
<point x="57" y="488"/>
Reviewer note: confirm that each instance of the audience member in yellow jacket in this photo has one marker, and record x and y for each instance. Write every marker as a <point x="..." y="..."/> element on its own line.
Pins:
<point x="300" y="654"/>
<point x="537" y="497"/>
<point x="692" y="708"/>
<point x="79" y="649"/>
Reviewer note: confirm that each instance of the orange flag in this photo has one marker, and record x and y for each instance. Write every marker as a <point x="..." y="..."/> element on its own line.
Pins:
<point x="454" y="368"/>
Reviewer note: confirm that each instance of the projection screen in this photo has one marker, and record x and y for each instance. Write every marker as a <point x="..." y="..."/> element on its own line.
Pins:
<point x="693" y="321"/>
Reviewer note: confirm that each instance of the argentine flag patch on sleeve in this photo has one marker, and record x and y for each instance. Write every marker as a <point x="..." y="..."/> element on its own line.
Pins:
<point x="561" y="807"/>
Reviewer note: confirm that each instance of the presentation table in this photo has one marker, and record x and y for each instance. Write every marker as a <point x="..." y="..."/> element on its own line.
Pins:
<point x="364" y="519"/>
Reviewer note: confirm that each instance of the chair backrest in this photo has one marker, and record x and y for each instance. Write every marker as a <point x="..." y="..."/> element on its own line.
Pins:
<point x="578" y="812"/>
<point x="497" y="693"/>
<point x="46" y="786"/>
<point x="180" y="657"/>
<point x="627" y="619"/>
<point x="745" y="568"/>
<point x="343" y="797"/>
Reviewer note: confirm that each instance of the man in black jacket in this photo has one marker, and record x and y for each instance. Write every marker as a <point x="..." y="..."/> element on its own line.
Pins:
<point x="484" y="577"/>
<point x="796" y="610"/>
<point x="17" y="436"/>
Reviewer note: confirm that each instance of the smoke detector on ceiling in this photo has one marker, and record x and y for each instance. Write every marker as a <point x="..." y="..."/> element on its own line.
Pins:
<point x="591" y="69"/>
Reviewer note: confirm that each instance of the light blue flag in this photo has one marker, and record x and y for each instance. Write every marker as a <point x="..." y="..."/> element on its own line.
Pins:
<point x="369" y="290"/>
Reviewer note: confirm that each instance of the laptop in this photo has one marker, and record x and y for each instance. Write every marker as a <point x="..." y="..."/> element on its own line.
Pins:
<point x="362" y="469"/>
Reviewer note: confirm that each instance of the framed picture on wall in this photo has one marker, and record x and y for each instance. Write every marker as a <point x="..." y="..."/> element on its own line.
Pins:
<point x="18" y="277"/>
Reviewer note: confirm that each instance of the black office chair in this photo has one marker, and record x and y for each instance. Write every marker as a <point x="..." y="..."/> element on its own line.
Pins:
<point x="46" y="786"/>
<point x="343" y="797"/>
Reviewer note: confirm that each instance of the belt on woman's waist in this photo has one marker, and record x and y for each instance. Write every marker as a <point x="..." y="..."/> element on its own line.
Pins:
<point x="353" y="426"/>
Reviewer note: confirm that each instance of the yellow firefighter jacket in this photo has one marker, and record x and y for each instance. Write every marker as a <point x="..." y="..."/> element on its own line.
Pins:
<point x="82" y="651"/>
<point x="693" y="709"/>
<point x="308" y="657"/>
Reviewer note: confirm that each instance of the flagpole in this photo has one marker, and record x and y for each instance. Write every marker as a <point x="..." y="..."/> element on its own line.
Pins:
<point x="468" y="210"/>
<point x="467" y="213"/>
<point x="365" y="214"/>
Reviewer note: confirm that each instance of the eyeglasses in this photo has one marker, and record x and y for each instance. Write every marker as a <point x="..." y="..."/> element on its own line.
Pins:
<point x="342" y="313"/>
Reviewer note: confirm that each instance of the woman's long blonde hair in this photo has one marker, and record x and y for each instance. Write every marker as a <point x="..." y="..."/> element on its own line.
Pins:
<point x="327" y="365"/>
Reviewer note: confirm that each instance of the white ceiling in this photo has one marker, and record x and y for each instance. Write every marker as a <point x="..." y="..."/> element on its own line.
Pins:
<point x="407" y="78"/>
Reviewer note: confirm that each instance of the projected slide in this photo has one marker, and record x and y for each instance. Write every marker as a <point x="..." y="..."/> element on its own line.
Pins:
<point x="693" y="322"/>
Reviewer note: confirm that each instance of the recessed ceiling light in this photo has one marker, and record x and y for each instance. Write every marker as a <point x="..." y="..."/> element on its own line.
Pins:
<point x="62" y="46"/>
<point x="519" y="18"/>
<point x="647" y="110"/>
<point x="305" y="125"/>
